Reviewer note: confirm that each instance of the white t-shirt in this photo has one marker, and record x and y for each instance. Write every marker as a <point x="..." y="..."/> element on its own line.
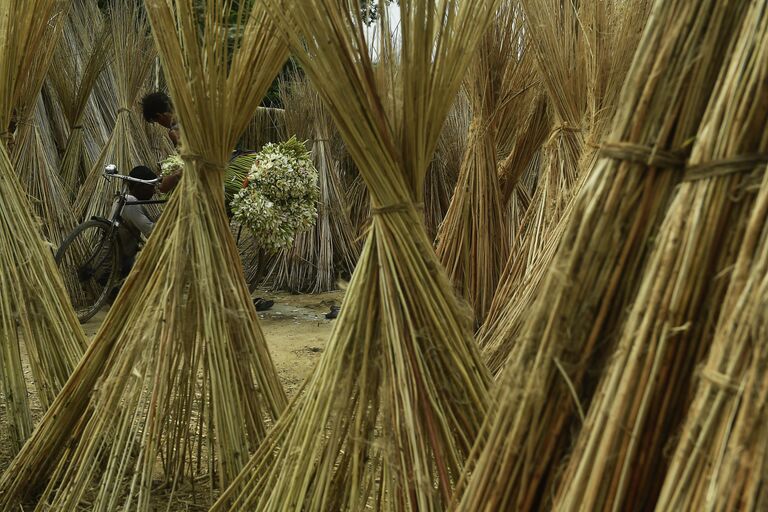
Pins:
<point x="136" y="222"/>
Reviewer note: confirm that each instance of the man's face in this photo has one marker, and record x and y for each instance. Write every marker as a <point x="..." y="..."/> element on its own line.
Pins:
<point x="165" y="119"/>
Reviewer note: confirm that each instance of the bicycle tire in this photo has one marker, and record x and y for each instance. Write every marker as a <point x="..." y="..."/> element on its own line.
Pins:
<point x="89" y="262"/>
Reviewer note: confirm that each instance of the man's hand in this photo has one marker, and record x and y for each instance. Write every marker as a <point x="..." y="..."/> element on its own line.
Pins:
<point x="173" y="133"/>
<point x="169" y="182"/>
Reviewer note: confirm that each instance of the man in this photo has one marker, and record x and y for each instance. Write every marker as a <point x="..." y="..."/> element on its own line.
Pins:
<point x="136" y="221"/>
<point x="157" y="108"/>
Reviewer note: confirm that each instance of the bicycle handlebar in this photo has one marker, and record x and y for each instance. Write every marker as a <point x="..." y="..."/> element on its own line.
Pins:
<point x="110" y="171"/>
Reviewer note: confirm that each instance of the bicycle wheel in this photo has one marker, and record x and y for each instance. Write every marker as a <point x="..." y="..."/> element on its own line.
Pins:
<point x="89" y="262"/>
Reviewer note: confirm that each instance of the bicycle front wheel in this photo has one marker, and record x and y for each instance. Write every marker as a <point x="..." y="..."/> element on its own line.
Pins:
<point x="89" y="262"/>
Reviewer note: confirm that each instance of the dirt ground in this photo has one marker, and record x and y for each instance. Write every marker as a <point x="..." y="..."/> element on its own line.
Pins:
<point x="296" y="331"/>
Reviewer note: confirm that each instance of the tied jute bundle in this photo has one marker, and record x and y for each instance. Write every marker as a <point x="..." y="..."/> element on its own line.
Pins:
<point x="620" y="456"/>
<point x="399" y="392"/>
<point x="81" y="55"/>
<point x="33" y="158"/>
<point x="444" y="169"/>
<point x="719" y="459"/>
<point x="470" y="243"/>
<point x="127" y="145"/>
<point x="582" y="80"/>
<point x="35" y="314"/>
<point x="582" y="301"/>
<point x="178" y="386"/>
<point x="311" y="265"/>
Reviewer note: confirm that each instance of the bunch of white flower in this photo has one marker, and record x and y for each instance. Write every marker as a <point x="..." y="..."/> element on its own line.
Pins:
<point x="171" y="165"/>
<point x="280" y="195"/>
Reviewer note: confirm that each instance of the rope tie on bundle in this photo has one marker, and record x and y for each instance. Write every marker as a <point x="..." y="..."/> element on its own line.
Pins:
<point x="733" y="165"/>
<point x="560" y="128"/>
<point x="397" y="208"/>
<point x="123" y="109"/>
<point x="647" y="155"/>
<point x="386" y="210"/>
<point x="720" y="380"/>
<point x="201" y="160"/>
<point x="77" y="127"/>
<point x="25" y="121"/>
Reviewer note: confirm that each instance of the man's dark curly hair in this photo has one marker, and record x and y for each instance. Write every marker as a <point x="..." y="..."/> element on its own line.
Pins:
<point x="155" y="103"/>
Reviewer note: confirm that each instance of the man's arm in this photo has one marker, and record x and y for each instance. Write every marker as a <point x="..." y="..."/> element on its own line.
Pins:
<point x="173" y="133"/>
<point x="169" y="182"/>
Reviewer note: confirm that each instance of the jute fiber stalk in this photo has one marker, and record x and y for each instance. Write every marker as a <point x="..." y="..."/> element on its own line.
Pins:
<point x="34" y="305"/>
<point x="104" y="103"/>
<point x="560" y="45"/>
<point x="393" y="407"/>
<point x="738" y="481"/>
<point x="35" y="166"/>
<point x="619" y="459"/>
<point x="441" y="178"/>
<point x="530" y="135"/>
<point x="82" y="53"/>
<point x="36" y="162"/>
<point x="267" y="125"/>
<point x="605" y="34"/>
<point x="127" y="145"/>
<point x="697" y="478"/>
<point x="719" y="457"/>
<point x="443" y="171"/>
<point x="470" y="243"/>
<point x="559" y="42"/>
<point x="596" y="269"/>
<point x="517" y="205"/>
<point x="311" y="265"/>
<point x="518" y="179"/>
<point x="178" y="386"/>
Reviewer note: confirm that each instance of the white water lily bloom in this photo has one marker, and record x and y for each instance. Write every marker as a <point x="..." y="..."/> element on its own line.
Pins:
<point x="280" y="197"/>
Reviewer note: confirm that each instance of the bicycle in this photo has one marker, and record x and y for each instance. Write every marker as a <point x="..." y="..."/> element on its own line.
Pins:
<point x="90" y="258"/>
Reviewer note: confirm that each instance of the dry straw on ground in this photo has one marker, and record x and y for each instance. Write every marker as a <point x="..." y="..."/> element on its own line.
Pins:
<point x="34" y="306"/>
<point x="583" y="299"/>
<point x="178" y="386"/>
<point x="394" y="405"/>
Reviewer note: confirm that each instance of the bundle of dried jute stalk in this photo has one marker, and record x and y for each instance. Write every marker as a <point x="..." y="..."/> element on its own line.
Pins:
<point x="34" y="306"/>
<point x="392" y="409"/>
<point x="470" y="243"/>
<point x="317" y="255"/>
<point x="719" y="459"/>
<point x="619" y="458"/>
<point x="127" y="145"/>
<point x="81" y="55"/>
<point x="178" y="386"/>
<point x="582" y="79"/>
<point x="595" y="273"/>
